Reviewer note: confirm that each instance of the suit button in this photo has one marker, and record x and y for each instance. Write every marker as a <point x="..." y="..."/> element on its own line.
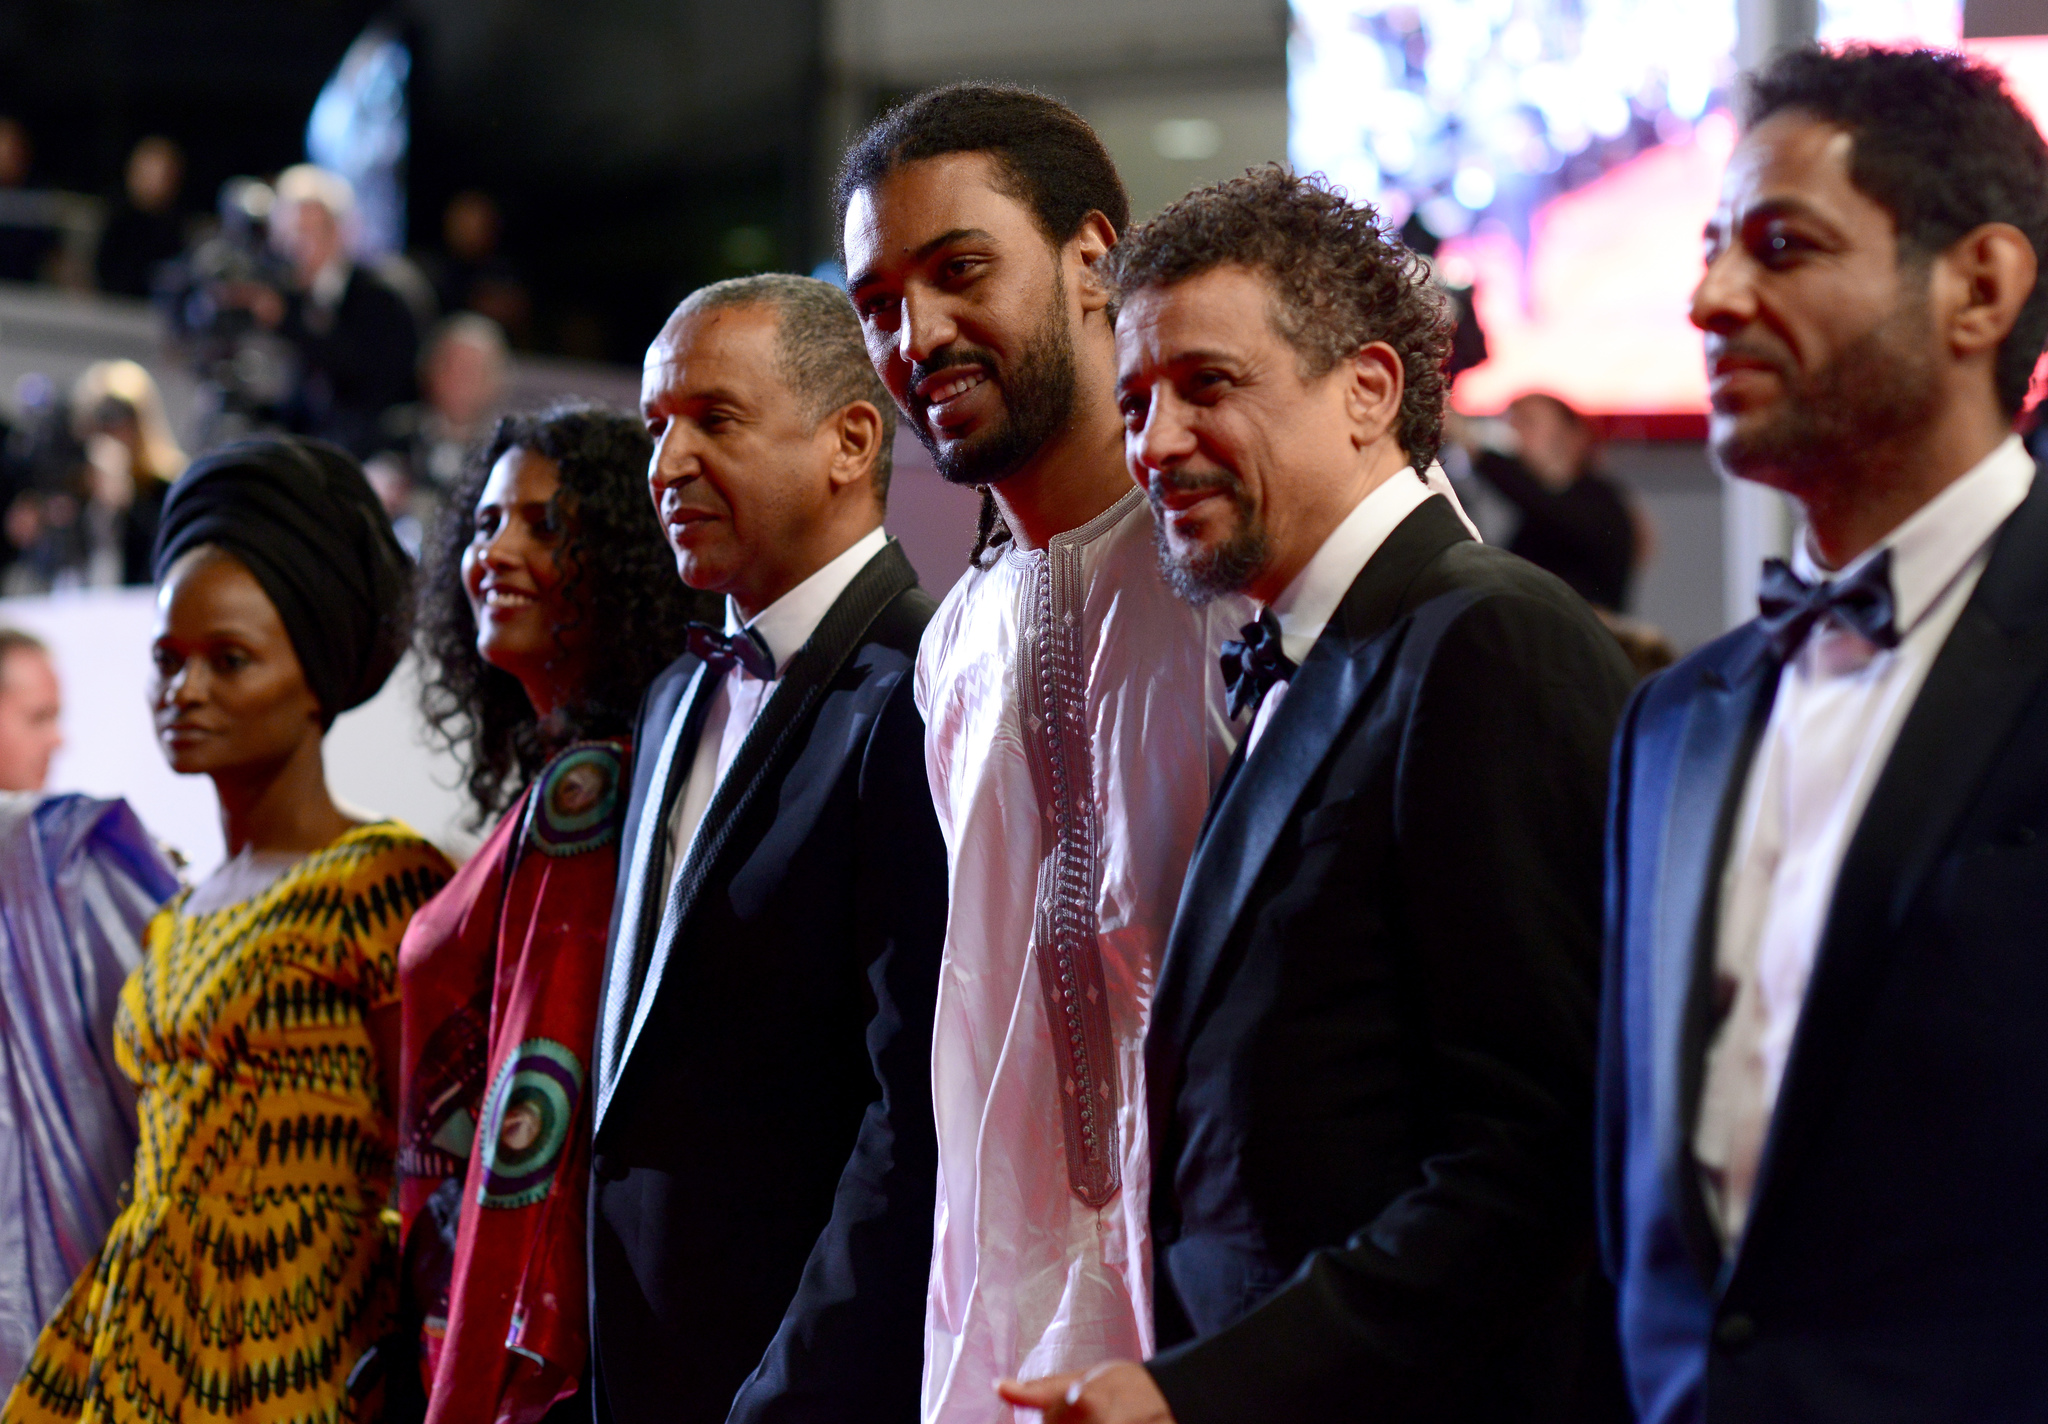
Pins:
<point x="605" y="1169"/>
<point x="1735" y="1329"/>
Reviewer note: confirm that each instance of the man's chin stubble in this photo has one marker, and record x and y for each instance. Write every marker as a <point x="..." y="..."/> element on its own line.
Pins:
<point x="1210" y="574"/>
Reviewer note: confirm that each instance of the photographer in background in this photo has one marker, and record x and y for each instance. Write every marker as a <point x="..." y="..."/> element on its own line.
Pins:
<point x="353" y="334"/>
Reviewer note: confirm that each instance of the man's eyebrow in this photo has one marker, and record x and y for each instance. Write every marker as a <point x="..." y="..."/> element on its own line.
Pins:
<point x="1193" y="356"/>
<point x="867" y="277"/>
<point x="1786" y="205"/>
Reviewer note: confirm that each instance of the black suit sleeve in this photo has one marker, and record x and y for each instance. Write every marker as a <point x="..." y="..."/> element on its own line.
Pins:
<point x="1611" y="1103"/>
<point x="1498" y="809"/>
<point x="851" y="1346"/>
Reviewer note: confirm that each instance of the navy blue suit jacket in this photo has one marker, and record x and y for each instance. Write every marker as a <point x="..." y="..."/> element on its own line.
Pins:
<point x="1895" y="1264"/>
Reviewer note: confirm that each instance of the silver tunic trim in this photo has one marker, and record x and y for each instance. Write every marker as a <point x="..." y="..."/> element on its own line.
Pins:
<point x="1053" y="692"/>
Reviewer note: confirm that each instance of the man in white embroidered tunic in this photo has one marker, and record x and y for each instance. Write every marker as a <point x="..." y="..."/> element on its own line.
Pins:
<point x="1075" y="725"/>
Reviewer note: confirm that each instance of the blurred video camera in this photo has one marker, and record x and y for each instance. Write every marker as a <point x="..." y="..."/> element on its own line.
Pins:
<point x="246" y="372"/>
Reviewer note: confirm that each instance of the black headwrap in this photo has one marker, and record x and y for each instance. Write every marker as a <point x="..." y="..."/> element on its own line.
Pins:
<point x="299" y="514"/>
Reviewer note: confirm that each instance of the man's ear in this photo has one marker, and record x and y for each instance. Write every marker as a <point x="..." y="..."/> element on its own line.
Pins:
<point x="1982" y="281"/>
<point x="1090" y="245"/>
<point x="1373" y="385"/>
<point x="858" y="431"/>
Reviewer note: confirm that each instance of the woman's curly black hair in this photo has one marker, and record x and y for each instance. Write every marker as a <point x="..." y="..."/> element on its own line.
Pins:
<point x="618" y="571"/>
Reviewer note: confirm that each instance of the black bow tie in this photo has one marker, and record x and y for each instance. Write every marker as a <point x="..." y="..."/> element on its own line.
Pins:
<point x="1251" y="667"/>
<point x="720" y="651"/>
<point x="1791" y="606"/>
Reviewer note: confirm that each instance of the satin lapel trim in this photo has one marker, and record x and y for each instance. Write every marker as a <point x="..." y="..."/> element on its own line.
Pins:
<point x="885" y="577"/>
<point x="1982" y="681"/>
<point x="1723" y="722"/>
<point x="1255" y="802"/>
<point x="635" y="914"/>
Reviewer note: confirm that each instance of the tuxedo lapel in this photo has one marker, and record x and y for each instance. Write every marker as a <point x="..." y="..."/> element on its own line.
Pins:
<point x="1257" y="798"/>
<point x="1986" y="674"/>
<point x="769" y="743"/>
<point x="678" y="715"/>
<point x="1724" y="719"/>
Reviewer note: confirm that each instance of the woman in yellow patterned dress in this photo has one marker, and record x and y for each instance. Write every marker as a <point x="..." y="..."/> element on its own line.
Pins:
<point x="250" y="1270"/>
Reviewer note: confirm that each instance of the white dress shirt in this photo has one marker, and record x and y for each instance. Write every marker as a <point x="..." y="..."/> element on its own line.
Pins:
<point x="1305" y="607"/>
<point x="1837" y="712"/>
<point x="785" y="626"/>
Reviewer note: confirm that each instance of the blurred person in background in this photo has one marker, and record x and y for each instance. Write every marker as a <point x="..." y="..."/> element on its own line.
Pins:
<point x="79" y="881"/>
<point x="249" y="1270"/>
<point x="353" y="334"/>
<point x="31" y="712"/>
<point x="1575" y="521"/>
<point x="131" y="459"/>
<point x="93" y="474"/>
<point x="462" y="387"/>
<point x="145" y="229"/>
<point x="548" y="604"/>
<point x="44" y="490"/>
<point x="471" y="273"/>
<point x="28" y="241"/>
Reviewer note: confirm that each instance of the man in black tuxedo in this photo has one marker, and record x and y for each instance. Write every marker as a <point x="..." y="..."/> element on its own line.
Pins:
<point x="1371" y="1055"/>
<point x="763" y="1160"/>
<point x="1823" y="1064"/>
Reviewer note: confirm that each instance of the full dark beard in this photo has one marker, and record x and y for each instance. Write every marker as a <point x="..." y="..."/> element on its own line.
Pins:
<point x="1212" y="572"/>
<point x="1039" y="396"/>
<point x="1880" y="387"/>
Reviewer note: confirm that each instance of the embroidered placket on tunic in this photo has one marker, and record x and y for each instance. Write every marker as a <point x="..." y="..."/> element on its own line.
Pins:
<point x="1054" y="683"/>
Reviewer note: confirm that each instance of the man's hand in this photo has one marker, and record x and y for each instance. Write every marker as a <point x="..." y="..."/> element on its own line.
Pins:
<point x="1120" y="1393"/>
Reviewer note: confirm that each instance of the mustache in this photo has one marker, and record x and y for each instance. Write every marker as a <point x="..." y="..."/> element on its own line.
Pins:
<point x="1165" y="482"/>
<point x="1744" y="351"/>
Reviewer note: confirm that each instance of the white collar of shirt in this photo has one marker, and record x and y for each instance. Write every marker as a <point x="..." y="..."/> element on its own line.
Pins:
<point x="329" y="284"/>
<point x="1931" y="549"/>
<point x="1305" y="606"/>
<point x="787" y="624"/>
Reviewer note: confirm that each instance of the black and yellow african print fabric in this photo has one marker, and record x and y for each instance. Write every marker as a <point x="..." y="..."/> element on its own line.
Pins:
<point x="251" y="1268"/>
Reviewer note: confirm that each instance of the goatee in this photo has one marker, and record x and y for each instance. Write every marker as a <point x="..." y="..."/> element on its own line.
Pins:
<point x="1210" y="572"/>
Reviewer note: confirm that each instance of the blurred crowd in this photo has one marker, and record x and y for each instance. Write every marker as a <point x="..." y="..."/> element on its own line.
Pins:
<point x="285" y="325"/>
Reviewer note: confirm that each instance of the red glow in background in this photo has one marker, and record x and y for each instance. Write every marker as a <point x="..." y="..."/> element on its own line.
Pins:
<point x="1597" y="314"/>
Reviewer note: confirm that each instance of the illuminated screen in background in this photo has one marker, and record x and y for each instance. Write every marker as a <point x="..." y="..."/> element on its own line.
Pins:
<point x="1563" y="156"/>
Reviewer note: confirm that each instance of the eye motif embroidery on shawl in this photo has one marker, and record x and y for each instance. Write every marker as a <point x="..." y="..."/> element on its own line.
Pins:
<point x="527" y="1118"/>
<point x="574" y="804"/>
